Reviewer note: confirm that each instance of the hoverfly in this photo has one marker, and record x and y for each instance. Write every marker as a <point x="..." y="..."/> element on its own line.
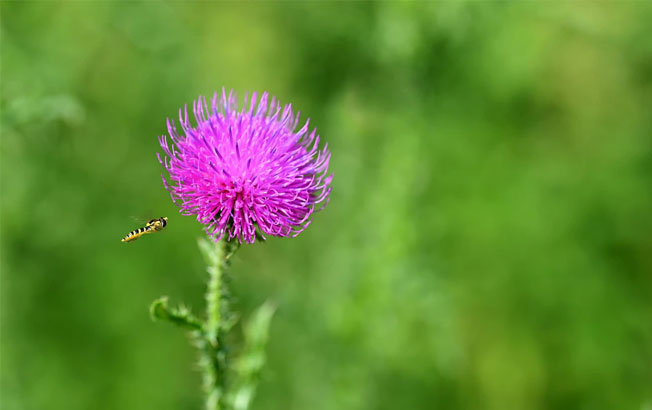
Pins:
<point x="153" y="225"/>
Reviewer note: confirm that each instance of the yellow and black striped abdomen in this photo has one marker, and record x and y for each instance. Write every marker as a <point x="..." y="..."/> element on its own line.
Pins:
<point x="133" y="235"/>
<point x="154" y="225"/>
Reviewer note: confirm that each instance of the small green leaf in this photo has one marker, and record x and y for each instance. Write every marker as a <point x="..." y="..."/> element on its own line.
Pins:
<point x="209" y="251"/>
<point x="181" y="316"/>
<point x="252" y="359"/>
<point x="158" y="310"/>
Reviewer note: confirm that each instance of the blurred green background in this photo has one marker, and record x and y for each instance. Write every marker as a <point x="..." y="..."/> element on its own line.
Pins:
<point x="488" y="244"/>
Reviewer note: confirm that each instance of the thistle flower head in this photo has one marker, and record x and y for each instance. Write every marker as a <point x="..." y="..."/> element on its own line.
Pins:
<point x="238" y="170"/>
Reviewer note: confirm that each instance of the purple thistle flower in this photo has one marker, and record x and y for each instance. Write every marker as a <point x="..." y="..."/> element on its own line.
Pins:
<point x="240" y="170"/>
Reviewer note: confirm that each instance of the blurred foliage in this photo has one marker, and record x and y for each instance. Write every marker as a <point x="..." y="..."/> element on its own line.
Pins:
<point x="488" y="241"/>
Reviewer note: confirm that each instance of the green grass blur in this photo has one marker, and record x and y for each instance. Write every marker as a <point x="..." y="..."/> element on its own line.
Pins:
<point x="488" y="244"/>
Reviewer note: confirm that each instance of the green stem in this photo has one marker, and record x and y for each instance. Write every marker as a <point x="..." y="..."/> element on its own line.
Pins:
<point x="209" y="335"/>
<point x="213" y="346"/>
<point x="214" y="293"/>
